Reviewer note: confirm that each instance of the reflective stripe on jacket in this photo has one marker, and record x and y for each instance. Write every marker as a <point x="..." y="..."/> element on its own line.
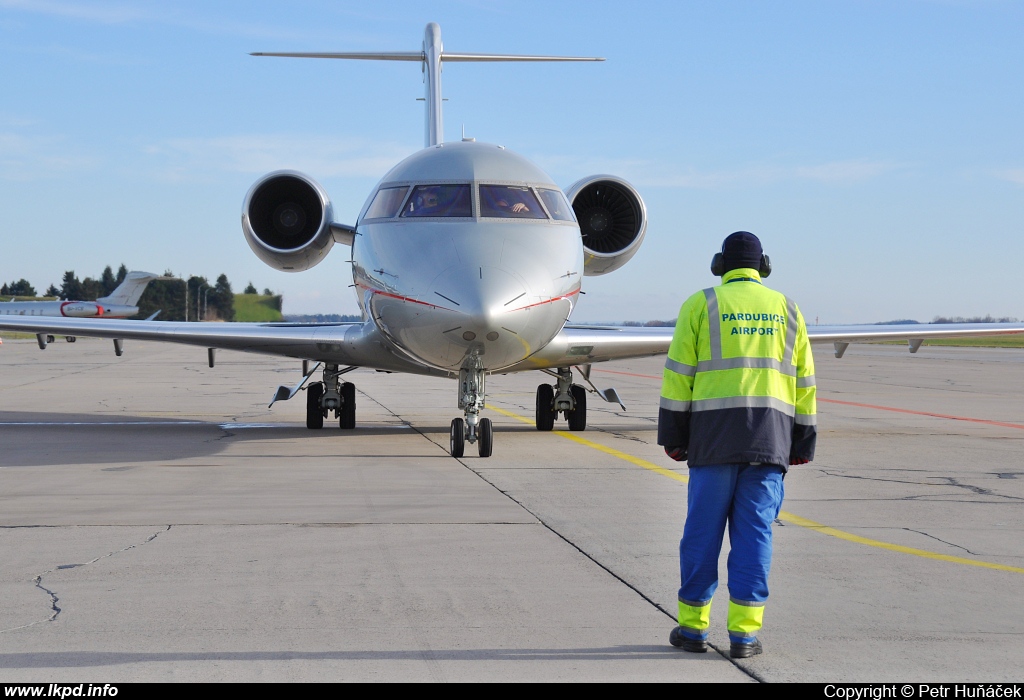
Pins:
<point x="738" y="384"/>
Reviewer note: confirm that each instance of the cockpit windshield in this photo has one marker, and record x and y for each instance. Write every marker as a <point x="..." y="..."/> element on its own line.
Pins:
<point x="509" y="202"/>
<point x="386" y="203"/>
<point x="439" y="200"/>
<point x="557" y="206"/>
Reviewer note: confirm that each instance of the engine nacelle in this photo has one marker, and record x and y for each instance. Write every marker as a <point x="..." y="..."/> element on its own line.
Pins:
<point x="286" y="219"/>
<point x="612" y="218"/>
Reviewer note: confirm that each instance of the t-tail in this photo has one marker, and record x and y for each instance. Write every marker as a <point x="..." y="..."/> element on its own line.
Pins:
<point x="431" y="58"/>
<point x="129" y="291"/>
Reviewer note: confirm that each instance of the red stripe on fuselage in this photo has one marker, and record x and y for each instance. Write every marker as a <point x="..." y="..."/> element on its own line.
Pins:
<point x="435" y="306"/>
<point x="548" y="301"/>
<point x="401" y="298"/>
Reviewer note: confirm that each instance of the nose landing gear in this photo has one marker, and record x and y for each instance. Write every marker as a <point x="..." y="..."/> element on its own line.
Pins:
<point x="472" y="428"/>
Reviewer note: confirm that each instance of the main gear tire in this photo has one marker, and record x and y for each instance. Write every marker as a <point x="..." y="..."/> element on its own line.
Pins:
<point x="545" y="407"/>
<point x="347" y="420"/>
<point x="314" y="412"/>
<point x="578" y="416"/>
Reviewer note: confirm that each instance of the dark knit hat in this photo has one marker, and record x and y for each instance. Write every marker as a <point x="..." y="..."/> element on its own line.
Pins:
<point x="741" y="249"/>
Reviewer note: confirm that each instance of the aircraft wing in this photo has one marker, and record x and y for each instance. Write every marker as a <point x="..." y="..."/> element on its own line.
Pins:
<point x="358" y="344"/>
<point x="361" y="344"/>
<point x="583" y="345"/>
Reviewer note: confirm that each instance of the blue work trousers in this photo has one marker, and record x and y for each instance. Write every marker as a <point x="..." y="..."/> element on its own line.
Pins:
<point x="748" y="498"/>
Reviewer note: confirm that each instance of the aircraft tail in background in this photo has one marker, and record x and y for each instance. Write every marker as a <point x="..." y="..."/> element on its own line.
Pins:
<point x="129" y="291"/>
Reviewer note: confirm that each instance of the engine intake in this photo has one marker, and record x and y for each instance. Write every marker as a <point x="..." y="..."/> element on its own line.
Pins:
<point x="612" y="218"/>
<point x="286" y="219"/>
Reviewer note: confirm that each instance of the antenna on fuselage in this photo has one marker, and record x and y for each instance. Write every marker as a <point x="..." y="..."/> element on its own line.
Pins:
<point x="430" y="57"/>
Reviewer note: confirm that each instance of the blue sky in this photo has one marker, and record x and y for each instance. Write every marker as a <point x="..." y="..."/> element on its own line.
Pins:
<point x="876" y="147"/>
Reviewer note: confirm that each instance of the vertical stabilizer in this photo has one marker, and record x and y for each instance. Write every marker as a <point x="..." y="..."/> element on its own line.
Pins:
<point x="430" y="58"/>
<point x="129" y="291"/>
<point x="433" y="50"/>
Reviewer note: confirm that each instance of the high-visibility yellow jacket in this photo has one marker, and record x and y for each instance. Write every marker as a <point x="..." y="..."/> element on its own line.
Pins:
<point x="738" y="385"/>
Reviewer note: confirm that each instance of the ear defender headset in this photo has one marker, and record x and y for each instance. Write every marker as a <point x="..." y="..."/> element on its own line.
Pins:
<point x="764" y="268"/>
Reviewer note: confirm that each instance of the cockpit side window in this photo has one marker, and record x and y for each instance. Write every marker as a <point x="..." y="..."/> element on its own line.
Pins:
<point x="509" y="202"/>
<point x="386" y="203"/>
<point x="557" y="205"/>
<point x="439" y="200"/>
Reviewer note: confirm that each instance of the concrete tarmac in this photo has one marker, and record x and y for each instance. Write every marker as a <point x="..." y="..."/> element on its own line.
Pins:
<point x="160" y="523"/>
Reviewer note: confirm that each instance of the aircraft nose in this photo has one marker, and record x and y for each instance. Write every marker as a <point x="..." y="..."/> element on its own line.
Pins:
<point x="483" y="300"/>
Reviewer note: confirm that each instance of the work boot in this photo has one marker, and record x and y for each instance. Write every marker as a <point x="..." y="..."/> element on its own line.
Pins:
<point x="678" y="639"/>
<point x="743" y="650"/>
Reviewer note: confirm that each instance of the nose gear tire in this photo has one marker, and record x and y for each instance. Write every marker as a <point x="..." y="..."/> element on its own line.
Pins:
<point x="485" y="437"/>
<point x="457" y="438"/>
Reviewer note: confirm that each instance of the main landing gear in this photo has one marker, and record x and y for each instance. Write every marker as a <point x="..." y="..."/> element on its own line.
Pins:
<point x="564" y="397"/>
<point x="332" y="394"/>
<point x="472" y="428"/>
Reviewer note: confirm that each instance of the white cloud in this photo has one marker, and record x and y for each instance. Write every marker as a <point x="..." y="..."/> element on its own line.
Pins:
<point x="319" y="156"/>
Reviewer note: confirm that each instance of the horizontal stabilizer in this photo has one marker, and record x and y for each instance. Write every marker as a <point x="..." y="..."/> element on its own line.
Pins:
<point x="358" y="56"/>
<point x="494" y="57"/>
<point x="420" y="56"/>
<point x="432" y="56"/>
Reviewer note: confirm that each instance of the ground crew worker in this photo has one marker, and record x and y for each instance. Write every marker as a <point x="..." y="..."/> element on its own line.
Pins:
<point x="738" y="404"/>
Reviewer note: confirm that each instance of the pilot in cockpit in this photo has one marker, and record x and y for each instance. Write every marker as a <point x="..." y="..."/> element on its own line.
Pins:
<point x="427" y="201"/>
<point x="516" y="208"/>
<point x="507" y="201"/>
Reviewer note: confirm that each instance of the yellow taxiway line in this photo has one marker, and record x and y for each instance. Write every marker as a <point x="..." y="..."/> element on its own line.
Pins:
<point x="784" y="516"/>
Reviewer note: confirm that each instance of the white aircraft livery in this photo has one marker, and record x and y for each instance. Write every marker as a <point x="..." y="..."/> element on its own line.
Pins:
<point x="467" y="260"/>
<point x="121" y="303"/>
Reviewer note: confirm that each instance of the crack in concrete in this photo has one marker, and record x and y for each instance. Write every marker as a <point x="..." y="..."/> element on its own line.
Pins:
<point x="976" y="489"/>
<point x="908" y="529"/>
<point x="55" y="609"/>
<point x="621" y="436"/>
<point x="949" y="481"/>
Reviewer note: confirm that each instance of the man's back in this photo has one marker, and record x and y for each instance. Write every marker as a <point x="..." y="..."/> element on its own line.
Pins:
<point x="743" y="365"/>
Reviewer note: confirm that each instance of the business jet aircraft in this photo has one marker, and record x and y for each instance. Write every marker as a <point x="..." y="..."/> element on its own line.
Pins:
<point x="467" y="260"/>
<point x="120" y="303"/>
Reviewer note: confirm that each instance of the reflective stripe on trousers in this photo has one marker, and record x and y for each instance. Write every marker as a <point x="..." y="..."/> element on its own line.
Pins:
<point x="744" y="620"/>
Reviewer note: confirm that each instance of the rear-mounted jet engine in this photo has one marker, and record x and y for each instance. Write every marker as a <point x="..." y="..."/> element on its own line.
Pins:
<point x="286" y="218"/>
<point x="612" y="218"/>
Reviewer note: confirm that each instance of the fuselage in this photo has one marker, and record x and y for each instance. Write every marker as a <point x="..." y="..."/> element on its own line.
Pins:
<point x="467" y="250"/>
<point x="67" y="309"/>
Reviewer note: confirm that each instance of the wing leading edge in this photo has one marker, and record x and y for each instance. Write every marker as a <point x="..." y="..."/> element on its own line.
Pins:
<point x="582" y="345"/>
<point x="359" y="344"/>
